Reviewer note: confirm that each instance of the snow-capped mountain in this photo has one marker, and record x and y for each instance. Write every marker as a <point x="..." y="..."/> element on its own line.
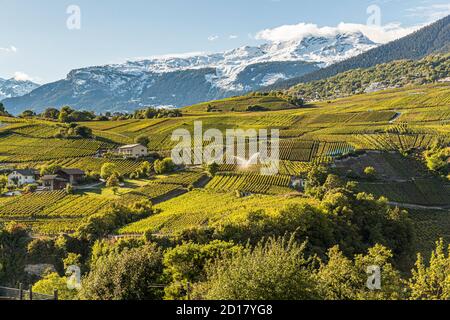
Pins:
<point x="229" y="65"/>
<point x="178" y="80"/>
<point x="12" y="88"/>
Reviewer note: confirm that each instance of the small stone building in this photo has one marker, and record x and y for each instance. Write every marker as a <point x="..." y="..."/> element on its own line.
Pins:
<point x="133" y="151"/>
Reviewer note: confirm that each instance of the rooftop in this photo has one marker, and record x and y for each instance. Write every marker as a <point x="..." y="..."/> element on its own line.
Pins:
<point x="128" y="146"/>
<point x="72" y="171"/>
<point x="27" y="172"/>
<point x="52" y="177"/>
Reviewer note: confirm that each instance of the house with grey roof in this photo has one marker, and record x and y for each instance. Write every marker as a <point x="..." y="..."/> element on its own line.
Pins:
<point x="73" y="176"/>
<point x="23" y="177"/>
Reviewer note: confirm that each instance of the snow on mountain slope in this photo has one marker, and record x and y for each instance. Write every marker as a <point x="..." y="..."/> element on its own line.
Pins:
<point x="179" y="80"/>
<point x="321" y="51"/>
<point x="15" y="88"/>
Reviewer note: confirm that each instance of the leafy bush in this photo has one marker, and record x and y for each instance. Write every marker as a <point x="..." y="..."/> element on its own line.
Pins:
<point x="186" y="263"/>
<point x="129" y="275"/>
<point x="103" y="223"/>
<point x="164" y="166"/>
<point x="274" y="270"/>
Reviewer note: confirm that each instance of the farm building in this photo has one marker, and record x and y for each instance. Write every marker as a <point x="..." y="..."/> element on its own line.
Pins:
<point x="74" y="176"/>
<point x="133" y="151"/>
<point x="22" y="177"/>
<point x="54" y="182"/>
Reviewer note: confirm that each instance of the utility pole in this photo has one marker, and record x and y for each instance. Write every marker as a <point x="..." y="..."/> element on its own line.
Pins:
<point x="188" y="290"/>
<point x="20" y="291"/>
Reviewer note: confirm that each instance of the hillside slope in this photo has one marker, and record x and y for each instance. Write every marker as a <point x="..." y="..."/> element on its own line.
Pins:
<point x="242" y="103"/>
<point x="12" y="88"/>
<point x="434" y="38"/>
<point x="434" y="68"/>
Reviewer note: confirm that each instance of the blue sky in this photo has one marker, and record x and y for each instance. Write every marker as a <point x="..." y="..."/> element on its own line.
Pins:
<point x="36" y="43"/>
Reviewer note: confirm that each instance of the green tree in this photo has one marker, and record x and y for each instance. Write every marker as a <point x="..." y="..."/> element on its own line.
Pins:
<point x="437" y="160"/>
<point x="13" y="251"/>
<point x="274" y="270"/>
<point x="143" y="140"/>
<point x="107" y="170"/>
<point x="30" y="188"/>
<point x="316" y="178"/>
<point x="164" y="166"/>
<point x="83" y="132"/>
<point x="3" y="182"/>
<point x="45" y="251"/>
<point x="27" y="114"/>
<point x="50" y="113"/>
<point x="113" y="181"/>
<point x="341" y="278"/>
<point x="130" y="275"/>
<point x="65" y="114"/>
<point x="49" y="169"/>
<point x="370" y="173"/>
<point x="53" y="282"/>
<point x="432" y="281"/>
<point x="212" y="168"/>
<point x="103" y="223"/>
<point x="186" y="263"/>
<point x="3" y="111"/>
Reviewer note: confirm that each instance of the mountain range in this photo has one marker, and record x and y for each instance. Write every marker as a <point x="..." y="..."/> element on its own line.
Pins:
<point x="180" y="80"/>
<point x="12" y="88"/>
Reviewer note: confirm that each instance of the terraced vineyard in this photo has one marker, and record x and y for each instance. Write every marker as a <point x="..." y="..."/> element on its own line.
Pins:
<point x="153" y="191"/>
<point x="76" y="206"/>
<point x="88" y="164"/>
<point x="204" y="207"/>
<point x="389" y="121"/>
<point x="395" y="142"/>
<point x="184" y="179"/>
<point x="30" y="205"/>
<point x="52" y="227"/>
<point x="19" y="148"/>
<point x="426" y="192"/>
<point x="430" y="225"/>
<point x="250" y="182"/>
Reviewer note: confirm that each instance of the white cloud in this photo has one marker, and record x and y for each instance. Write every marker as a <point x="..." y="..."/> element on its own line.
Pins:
<point x="378" y="34"/>
<point x="233" y="36"/>
<point x="10" y="49"/>
<point x="431" y="13"/>
<point x="21" y="76"/>
<point x="213" y="38"/>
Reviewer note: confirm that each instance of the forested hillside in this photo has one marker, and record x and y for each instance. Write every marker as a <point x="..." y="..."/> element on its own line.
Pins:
<point x="434" y="38"/>
<point x="395" y="74"/>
